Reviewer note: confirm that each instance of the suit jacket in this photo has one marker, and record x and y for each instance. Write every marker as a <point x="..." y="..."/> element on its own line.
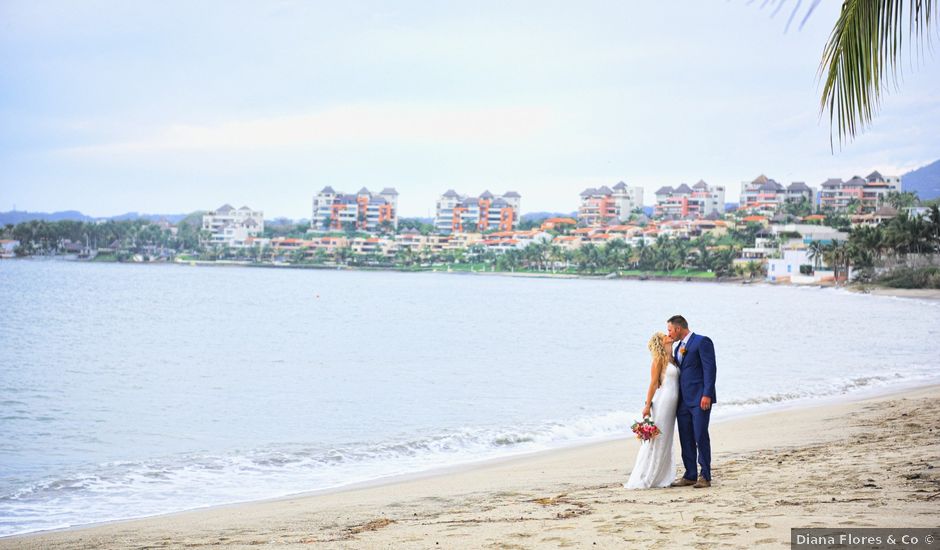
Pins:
<point x="697" y="371"/>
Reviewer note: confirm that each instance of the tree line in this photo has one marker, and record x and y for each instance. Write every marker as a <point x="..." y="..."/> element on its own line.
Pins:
<point x="904" y="247"/>
<point x="51" y="237"/>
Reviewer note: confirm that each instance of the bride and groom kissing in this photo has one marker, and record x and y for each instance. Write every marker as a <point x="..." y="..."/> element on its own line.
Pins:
<point x="681" y="393"/>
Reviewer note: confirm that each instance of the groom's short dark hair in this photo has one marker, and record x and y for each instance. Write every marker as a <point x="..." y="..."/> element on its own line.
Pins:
<point x="679" y="321"/>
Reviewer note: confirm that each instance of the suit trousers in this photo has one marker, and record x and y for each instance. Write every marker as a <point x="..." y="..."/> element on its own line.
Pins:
<point x="692" y="423"/>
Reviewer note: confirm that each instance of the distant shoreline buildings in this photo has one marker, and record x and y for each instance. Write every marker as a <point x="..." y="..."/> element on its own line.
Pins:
<point x="456" y="213"/>
<point x="618" y="207"/>
<point x="227" y="226"/>
<point x="684" y="202"/>
<point x="788" y="233"/>
<point x="364" y="210"/>
<point x="764" y="193"/>
<point x="869" y="192"/>
<point x="605" y="206"/>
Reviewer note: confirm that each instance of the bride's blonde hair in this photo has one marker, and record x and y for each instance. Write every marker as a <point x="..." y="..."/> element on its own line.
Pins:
<point x="660" y="354"/>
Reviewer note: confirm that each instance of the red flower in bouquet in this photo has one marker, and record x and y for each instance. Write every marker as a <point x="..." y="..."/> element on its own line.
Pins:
<point x="645" y="430"/>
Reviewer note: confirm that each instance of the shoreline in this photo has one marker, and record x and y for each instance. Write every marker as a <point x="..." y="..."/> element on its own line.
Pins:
<point x="379" y="498"/>
<point x="912" y="293"/>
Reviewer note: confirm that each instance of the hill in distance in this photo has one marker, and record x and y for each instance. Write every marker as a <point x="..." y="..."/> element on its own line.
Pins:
<point x="535" y="216"/>
<point x="925" y="181"/>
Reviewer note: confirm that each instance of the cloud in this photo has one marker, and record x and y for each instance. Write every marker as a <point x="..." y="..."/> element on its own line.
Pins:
<point x="359" y="124"/>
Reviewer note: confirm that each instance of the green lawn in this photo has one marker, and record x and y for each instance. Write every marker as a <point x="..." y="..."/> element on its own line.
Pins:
<point x="105" y="258"/>
<point x="676" y="273"/>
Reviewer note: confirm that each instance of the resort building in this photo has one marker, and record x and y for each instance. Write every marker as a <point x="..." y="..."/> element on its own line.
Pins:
<point x="458" y="213"/>
<point x="227" y="226"/>
<point x="463" y="241"/>
<point x="417" y="243"/>
<point x="605" y="206"/>
<point x="864" y="194"/>
<point x="567" y="242"/>
<point x="364" y="211"/>
<point x="810" y="232"/>
<point x="684" y="202"/>
<point x="766" y="195"/>
<point x="762" y="251"/>
<point x="877" y="217"/>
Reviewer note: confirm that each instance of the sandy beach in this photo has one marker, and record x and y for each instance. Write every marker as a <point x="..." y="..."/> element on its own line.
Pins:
<point x="918" y="293"/>
<point x="831" y="465"/>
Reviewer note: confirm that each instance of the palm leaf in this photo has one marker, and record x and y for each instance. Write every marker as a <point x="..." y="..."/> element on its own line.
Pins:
<point x="861" y="59"/>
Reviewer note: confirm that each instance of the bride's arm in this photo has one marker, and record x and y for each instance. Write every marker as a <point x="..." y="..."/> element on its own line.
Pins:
<point x="654" y="383"/>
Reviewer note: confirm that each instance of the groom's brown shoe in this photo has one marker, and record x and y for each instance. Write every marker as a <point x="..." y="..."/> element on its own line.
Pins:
<point x="702" y="483"/>
<point x="682" y="482"/>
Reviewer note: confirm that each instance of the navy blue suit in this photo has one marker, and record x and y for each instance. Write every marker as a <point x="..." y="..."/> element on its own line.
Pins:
<point x="697" y="371"/>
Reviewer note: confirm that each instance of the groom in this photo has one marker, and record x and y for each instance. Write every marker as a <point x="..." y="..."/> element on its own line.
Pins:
<point x="695" y="355"/>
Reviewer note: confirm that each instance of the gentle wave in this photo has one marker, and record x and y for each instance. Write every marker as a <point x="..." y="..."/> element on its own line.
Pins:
<point x="150" y="487"/>
<point x="824" y="390"/>
<point x="130" y="489"/>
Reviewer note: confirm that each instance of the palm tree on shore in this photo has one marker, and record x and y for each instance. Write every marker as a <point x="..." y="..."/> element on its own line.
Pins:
<point x="815" y="253"/>
<point x="899" y="200"/>
<point x="836" y="254"/>
<point x="588" y="258"/>
<point x="555" y="254"/>
<point x="617" y="252"/>
<point x="866" y="245"/>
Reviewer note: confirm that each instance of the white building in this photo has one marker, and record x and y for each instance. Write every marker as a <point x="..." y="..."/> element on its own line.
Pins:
<point x="8" y="248"/>
<point x="810" y="232"/>
<point x="230" y="227"/>
<point x="796" y="267"/>
<point x="699" y="201"/>
<point x="366" y="210"/>
<point x="760" y="252"/>
<point x="456" y="213"/>
<point x="605" y="206"/>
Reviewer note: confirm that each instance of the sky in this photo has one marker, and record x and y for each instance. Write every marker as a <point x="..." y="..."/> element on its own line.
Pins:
<point x="171" y="107"/>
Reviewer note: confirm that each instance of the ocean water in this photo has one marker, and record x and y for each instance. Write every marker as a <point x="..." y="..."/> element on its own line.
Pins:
<point x="129" y="390"/>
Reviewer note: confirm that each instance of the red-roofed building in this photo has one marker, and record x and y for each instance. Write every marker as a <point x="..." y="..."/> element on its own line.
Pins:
<point x="755" y="219"/>
<point x="558" y="223"/>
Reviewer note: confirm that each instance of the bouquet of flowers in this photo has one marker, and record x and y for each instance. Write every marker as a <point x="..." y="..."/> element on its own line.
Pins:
<point x="645" y="429"/>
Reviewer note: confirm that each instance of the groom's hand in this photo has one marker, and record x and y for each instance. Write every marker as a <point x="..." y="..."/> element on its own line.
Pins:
<point x="706" y="403"/>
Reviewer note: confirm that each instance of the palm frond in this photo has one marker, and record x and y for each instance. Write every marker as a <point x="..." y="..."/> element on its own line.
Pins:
<point x="861" y="59"/>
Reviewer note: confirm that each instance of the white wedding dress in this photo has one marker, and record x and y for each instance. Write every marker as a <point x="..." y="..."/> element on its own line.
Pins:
<point x="655" y="463"/>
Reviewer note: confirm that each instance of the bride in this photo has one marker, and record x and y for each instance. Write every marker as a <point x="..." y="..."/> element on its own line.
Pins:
<point x="655" y="463"/>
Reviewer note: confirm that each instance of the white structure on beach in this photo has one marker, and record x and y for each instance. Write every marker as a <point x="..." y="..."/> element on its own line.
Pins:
<point x="8" y="248"/>
<point x="796" y="267"/>
<point x="232" y="227"/>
